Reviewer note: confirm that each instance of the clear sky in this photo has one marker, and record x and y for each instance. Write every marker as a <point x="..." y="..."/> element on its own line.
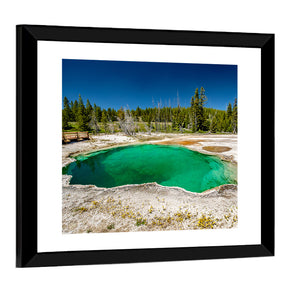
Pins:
<point x="144" y="84"/>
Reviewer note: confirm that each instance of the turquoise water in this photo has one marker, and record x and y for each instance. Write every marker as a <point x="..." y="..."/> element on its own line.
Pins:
<point x="166" y="165"/>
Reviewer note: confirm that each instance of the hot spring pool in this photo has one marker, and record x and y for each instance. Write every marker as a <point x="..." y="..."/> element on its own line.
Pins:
<point x="165" y="165"/>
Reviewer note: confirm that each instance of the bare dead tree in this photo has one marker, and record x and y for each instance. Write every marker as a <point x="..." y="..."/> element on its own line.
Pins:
<point x="170" y="111"/>
<point x="94" y="123"/>
<point x="127" y="124"/>
<point x="165" y="116"/>
<point x="111" y="127"/>
<point x="148" y="128"/>
<point x="158" y="115"/>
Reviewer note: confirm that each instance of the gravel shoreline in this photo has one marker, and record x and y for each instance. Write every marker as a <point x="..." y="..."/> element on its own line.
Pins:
<point x="148" y="207"/>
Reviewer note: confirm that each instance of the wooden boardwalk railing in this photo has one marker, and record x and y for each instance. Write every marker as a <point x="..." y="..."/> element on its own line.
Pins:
<point x="67" y="137"/>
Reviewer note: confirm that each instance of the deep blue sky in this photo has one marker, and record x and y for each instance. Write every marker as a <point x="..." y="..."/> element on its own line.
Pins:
<point x="119" y="83"/>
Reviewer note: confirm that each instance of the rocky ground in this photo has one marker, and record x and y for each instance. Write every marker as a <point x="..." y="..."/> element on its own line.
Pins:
<point x="148" y="206"/>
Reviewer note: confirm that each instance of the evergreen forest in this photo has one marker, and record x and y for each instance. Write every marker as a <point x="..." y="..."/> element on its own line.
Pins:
<point x="80" y="116"/>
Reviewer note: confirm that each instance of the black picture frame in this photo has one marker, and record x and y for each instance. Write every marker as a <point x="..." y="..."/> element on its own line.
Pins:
<point x="27" y="153"/>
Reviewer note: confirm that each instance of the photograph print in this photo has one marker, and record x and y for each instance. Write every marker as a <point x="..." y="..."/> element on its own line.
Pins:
<point x="148" y="146"/>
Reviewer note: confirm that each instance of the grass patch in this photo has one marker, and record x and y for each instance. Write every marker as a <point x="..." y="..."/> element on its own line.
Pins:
<point x="111" y="226"/>
<point x="80" y="209"/>
<point x="140" y="221"/>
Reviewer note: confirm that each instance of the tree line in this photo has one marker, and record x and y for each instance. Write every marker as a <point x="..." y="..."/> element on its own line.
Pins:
<point x="195" y="118"/>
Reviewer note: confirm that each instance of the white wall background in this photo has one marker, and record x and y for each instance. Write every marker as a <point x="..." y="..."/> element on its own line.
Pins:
<point x="254" y="278"/>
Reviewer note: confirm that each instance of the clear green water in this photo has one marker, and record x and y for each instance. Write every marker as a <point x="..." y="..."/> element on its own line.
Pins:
<point x="166" y="165"/>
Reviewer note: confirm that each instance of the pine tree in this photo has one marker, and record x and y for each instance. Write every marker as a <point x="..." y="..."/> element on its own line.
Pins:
<point x="187" y="118"/>
<point x="67" y="108"/>
<point x="88" y="109"/>
<point x="235" y="116"/>
<point x="193" y="115"/>
<point x="229" y="110"/>
<point x="98" y="112"/>
<point x="114" y="115"/>
<point x="199" y="119"/>
<point x="109" y="114"/>
<point x="120" y="113"/>
<point x="65" y="121"/>
<point x="197" y="110"/>
<point x="82" y="123"/>
<point x="138" y="113"/>
<point x="221" y="122"/>
<point x="82" y="119"/>
<point x="181" y="119"/>
<point x="75" y="110"/>
<point x="72" y="118"/>
<point x="202" y="118"/>
<point x="176" y="118"/>
<point x="229" y="118"/>
<point x="66" y="114"/>
<point x="213" y="125"/>
<point x="81" y="107"/>
<point x="104" y="120"/>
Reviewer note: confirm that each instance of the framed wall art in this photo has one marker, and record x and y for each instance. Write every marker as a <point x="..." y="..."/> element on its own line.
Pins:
<point x="139" y="145"/>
